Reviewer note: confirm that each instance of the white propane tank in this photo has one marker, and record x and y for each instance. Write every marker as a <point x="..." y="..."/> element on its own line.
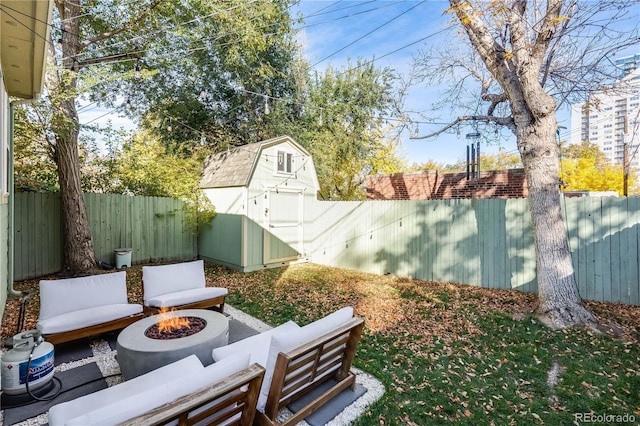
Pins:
<point x="14" y="364"/>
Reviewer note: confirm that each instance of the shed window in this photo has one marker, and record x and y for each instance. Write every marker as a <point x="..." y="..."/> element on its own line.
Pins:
<point x="284" y="162"/>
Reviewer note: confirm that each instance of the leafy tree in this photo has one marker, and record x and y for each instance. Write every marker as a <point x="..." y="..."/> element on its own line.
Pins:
<point x="159" y="55"/>
<point x="146" y="167"/>
<point x="88" y="34"/>
<point x="522" y="55"/>
<point x="344" y="129"/>
<point x="500" y="161"/>
<point x="428" y="165"/>
<point x="584" y="167"/>
<point x="214" y="77"/>
<point x="34" y="169"/>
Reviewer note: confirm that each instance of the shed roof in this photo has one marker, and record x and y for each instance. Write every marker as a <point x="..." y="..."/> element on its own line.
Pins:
<point x="235" y="167"/>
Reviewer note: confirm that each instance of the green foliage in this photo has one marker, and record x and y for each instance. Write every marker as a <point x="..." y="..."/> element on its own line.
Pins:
<point x="34" y="169"/>
<point x="218" y="68"/>
<point x="500" y="161"/>
<point x="344" y="131"/>
<point x="145" y="167"/>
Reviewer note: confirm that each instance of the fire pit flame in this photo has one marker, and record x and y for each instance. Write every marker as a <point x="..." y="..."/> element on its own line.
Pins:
<point x="171" y="325"/>
<point x="168" y="323"/>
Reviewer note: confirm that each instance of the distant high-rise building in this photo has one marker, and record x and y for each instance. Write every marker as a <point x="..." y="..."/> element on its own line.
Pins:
<point x="627" y="65"/>
<point x="601" y="119"/>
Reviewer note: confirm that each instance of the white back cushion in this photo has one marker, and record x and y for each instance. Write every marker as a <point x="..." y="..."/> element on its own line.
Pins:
<point x="328" y="323"/>
<point x="81" y="407"/>
<point x="74" y="294"/>
<point x="257" y="346"/>
<point x="290" y="338"/>
<point x="148" y="398"/>
<point x="163" y="279"/>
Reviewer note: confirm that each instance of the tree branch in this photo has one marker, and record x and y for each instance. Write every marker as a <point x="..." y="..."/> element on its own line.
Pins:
<point x="109" y="58"/>
<point x="546" y="67"/>
<point x="492" y="53"/>
<point x="504" y="121"/>
<point x="547" y="31"/>
<point x="135" y="20"/>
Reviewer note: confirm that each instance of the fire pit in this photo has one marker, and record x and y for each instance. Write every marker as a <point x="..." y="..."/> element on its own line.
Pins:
<point x="153" y="342"/>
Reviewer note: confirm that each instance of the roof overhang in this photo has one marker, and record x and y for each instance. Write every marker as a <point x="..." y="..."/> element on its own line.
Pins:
<point x="24" y="38"/>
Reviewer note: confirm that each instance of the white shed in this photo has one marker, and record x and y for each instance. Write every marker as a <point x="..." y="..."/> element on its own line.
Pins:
<point x="260" y="192"/>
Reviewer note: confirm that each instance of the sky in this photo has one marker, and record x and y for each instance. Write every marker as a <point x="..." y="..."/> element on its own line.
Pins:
<point x="391" y="33"/>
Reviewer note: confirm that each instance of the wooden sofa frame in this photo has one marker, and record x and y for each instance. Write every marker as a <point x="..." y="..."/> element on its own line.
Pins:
<point x="239" y="394"/>
<point x="299" y="370"/>
<point x="216" y="304"/>
<point x="92" y="330"/>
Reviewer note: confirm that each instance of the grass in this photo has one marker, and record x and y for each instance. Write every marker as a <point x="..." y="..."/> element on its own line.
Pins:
<point x="449" y="353"/>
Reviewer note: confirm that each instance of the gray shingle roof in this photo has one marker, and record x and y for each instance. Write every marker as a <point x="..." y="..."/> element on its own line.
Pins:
<point x="234" y="167"/>
<point x="229" y="168"/>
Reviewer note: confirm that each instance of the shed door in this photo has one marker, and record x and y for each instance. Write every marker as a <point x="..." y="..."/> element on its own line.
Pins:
<point x="283" y="236"/>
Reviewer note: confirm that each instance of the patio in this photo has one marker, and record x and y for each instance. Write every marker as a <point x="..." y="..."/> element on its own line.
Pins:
<point x="91" y="365"/>
<point x="445" y="353"/>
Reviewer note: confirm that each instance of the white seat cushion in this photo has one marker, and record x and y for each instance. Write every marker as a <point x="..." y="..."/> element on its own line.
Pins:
<point x="86" y="317"/>
<point x="61" y="413"/>
<point x="164" y="279"/>
<point x="257" y="346"/>
<point x="185" y="296"/>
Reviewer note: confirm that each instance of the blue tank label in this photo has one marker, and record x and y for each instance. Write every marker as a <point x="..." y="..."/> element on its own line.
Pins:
<point x="40" y="367"/>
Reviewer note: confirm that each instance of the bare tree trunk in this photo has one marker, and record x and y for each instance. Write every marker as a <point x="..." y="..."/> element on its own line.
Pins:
<point x="515" y="60"/>
<point x="78" y="244"/>
<point x="558" y="298"/>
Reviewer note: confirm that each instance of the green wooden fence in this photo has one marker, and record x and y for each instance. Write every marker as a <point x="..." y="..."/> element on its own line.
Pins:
<point x="486" y="242"/>
<point x="154" y="227"/>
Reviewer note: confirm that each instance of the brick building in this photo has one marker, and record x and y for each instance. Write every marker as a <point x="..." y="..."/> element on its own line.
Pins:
<point x="432" y="185"/>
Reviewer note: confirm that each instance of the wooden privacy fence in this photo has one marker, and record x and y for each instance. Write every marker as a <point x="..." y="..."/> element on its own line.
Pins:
<point x="154" y="227"/>
<point x="485" y="242"/>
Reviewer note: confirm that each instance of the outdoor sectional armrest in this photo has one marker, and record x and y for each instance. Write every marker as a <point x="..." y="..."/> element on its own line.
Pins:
<point x="256" y="346"/>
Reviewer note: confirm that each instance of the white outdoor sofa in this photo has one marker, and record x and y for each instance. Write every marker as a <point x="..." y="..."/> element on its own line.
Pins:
<point x="183" y="392"/>
<point x="298" y="359"/>
<point x="180" y="286"/>
<point x="74" y="308"/>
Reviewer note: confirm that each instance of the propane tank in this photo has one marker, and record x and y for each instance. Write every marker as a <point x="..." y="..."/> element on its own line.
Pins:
<point x="16" y="362"/>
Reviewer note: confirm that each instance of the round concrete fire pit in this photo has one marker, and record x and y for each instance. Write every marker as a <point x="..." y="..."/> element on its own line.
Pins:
<point x="139" y="354"/>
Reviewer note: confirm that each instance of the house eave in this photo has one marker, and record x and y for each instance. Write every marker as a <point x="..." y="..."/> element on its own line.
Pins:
<point x="24" y="40"/>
